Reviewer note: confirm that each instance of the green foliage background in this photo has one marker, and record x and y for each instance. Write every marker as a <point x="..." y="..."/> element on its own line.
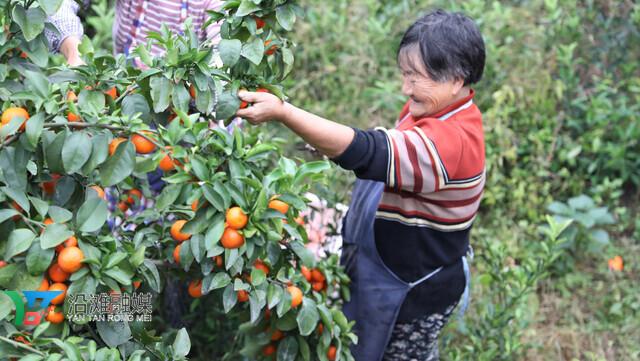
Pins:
<point x="560" y="98"/>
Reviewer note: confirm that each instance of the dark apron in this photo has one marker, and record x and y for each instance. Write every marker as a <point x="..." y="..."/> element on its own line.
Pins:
<point x="377" y="294"/>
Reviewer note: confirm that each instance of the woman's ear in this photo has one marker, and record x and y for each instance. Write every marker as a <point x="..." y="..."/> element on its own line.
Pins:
<point x="456" y="86"/>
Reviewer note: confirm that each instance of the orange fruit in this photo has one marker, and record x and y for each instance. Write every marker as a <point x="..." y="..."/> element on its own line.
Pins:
<point x="57" y="274"/>
<point x="231" y="238"/>
<point x="113" y="93"/>
<point x="176" y="231"/>
<point x="49" y="187"/>
<point x="319" y="329"/>
<point x="123" y="206"/>
<point x="259" y="22"/>
<point x="218" y="260"/>
<point x="269" y="350"/>
<point x="134" y="196"/>
<point x="616" y="264"/>
<point x="71" y="242"/>
<point x="279" y="206"/>
<point x="70" y="259"/>
<point x="71" y="96"/>
<point x="296" y="296"/>
<point x="73" y="117"/>
<point x="3" y="263"/>
<point x="236" y="218"/>
<point x="176" y="254"/>
<point x="195" y="288"/>
<point x="23" y="55"/>
<point x="192" y="91"/>
<point x="331" y="353"/>
<point x="270" y="50"/>
<point x="53" y="316"/>
<point x="12" y="112"/>
<point x="317" y="276"/>
<point x="194" y="205"/>
<point x="317" y="286"/>
<point x="44" y="285"/>
<point x="306" y="273"/>
<point x="58" y="287"/>
<point x="114" y="145"/>
<point x="243" y="296"/>
<point x="262" y="90"/>
<point x="136" y="284"/>
<point x="98" y="190"/>
<point x="142" y="144"/>
<point x="17" y="207"/>
<point x="166" y="163"/>
<point x="258" y="264"/>
<point x="277" y="335"/>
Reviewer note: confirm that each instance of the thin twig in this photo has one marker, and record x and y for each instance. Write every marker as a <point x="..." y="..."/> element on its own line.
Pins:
<point x="21" y="345"/>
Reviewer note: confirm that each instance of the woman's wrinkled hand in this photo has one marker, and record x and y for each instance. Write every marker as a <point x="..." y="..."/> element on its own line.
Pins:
<point x="264" y="107"/>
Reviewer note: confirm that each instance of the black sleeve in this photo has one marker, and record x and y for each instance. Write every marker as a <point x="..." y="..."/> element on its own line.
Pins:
<point x="367" y="155"/>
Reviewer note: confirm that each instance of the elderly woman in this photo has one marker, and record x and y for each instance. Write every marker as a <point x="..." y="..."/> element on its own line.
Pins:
<point x="419" y="186"/>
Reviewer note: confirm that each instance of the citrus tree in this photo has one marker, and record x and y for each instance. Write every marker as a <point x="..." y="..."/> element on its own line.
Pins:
<point x="226" y="225"/>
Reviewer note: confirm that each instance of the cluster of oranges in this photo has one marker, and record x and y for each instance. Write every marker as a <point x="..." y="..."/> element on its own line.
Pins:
<point x="144" y="143"/>
<point x="315" y="277"/>
<point x="69" y="260"/>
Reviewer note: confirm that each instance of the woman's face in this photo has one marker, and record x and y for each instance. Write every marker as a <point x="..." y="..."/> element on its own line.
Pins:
<point x="427" y="95"/>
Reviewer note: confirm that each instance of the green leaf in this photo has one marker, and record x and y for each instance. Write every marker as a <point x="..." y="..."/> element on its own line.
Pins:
<point x="257" y="277"/>
<point x="581" y="202"/>
<point x="17" y="196"/>
<point x="285" y="16"/>
<point x="288" y="349"/>
<point x="214" y="282"/>
<point x="247" y="7"/>
<point x="92" y="102"/>
<point x="136" y="103"/>
<point x="34" y="128"/>
<point x="52" y="151"/>
<point x="113" y="333"/>
<point x="19" y="241"/>
<point x="76" y="151"/>
<point x="38" y="259"/>
<point x="230" y="51"/>
<point x="181" y="97"/>
<point x="50" y="7"/>
<point x="7" y="213"/>
<point x="303" y="253"/>
<point x="161" y="89"/>
<point x="119" y="166"/>
<point x="120" y="275"/>
<point x="168" y="196"/>
<point x="151" y="275"/>
<point x="54" y="234"/>
<point x="255" y="305"/>
<point x="228" y="105"/>
<point x="60" y="215"/>
<point x="214" y="197"/>
<point x="31" y="21"/>
<point x="253" y="50"/>
<point x="307" y="317"/>
<point x="229" y="298"/>
<point x="38" y="83"/>
<point x="215" y="232"/>
<point x="182" y="344"/>
<point x="92" y="215"/>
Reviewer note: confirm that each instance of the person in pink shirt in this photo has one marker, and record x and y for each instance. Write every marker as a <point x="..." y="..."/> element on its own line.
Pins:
<point x="134" y="19"/>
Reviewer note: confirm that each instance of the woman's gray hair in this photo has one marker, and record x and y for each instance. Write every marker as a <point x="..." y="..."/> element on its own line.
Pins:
<point x="450" y="45"/>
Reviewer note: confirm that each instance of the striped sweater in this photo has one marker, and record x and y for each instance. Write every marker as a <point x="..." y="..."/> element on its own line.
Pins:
<point x="434" y="171"/>
<point x="156" y="13"/>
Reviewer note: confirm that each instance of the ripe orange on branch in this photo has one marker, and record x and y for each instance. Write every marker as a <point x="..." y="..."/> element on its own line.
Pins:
<point x="176" y="231"/>
<point x="231" y="238"/>
<point x="236" y="218"/>
<point x="12" y="112"/>
<point x="70" y="259"/>
<point x="114" y="144"/>
<point x="57" y="274"/>
<point x="279" y="206"/>
<point x="195" y="289"/>
<point x="296" y="296"/>
<point x="58" y="287"/>
<point x="142" y="144"/>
